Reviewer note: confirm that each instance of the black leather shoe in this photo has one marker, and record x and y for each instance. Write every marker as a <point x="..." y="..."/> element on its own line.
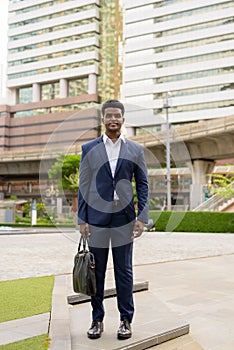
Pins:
<point x="124" y="331"/>
<point x="96" y="329"/>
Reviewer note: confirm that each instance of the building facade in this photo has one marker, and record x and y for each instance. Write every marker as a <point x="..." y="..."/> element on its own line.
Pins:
<point x="62" y="56"/>
<point x="52" y="100"/>
<point x="181" y="47"/>
<point x="52" y="69"/>
<point x="52" y="49"/>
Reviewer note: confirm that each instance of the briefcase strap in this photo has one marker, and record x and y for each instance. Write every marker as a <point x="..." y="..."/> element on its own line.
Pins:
<point x="85" y="241"/>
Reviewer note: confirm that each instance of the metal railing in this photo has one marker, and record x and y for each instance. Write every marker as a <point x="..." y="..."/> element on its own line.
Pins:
<point x="213" y="203"/>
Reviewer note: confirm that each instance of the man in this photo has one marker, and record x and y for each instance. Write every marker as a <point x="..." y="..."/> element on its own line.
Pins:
<point x="106" y="211"/>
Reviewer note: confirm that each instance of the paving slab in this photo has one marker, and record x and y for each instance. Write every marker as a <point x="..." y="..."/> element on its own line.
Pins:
<point x="20" y="329"/>
<point x="201" y="291"/>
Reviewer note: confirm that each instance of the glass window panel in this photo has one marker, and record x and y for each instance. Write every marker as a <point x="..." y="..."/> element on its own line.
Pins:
<point x="78" y="87"/>
<point x="50" y="91"/>
<point x="54" y="15"/>
<point x="198" y="58"/>
<point x="25" y="95"/>
<point x="51" y="69"/>
<point x="201" y="74"/>
<point x="191" y="12"/>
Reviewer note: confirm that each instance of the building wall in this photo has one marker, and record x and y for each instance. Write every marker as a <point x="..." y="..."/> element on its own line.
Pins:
<point x="53" y="67"/>
<point x="58" y="129"/>
<point x="181" y="47"/>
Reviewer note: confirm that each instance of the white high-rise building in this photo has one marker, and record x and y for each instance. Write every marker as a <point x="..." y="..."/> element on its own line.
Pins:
<point x="52" y="49"/>
<point x="183" y="47"/>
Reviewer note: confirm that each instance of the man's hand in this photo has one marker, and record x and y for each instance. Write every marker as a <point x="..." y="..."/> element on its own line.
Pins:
<point x="138" y="229"/>
<point x="84" y="230"/>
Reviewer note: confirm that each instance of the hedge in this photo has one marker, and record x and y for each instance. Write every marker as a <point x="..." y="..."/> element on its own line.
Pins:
<point x="214" y="222"/>
<point x="177" y="221"/>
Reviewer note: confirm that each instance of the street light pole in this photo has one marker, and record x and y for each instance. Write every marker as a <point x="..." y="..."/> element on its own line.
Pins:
<point x="166" y="106"/>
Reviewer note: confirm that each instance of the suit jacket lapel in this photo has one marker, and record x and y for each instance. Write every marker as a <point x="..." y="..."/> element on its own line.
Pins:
<point x="103" y="155"/>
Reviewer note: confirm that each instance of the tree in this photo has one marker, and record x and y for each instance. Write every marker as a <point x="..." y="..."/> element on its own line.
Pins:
<point x="65" y="171"/>
<point x="27" y="207"/>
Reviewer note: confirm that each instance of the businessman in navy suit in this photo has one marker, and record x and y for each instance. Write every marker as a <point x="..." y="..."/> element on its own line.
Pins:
<point x="106" y="211"/>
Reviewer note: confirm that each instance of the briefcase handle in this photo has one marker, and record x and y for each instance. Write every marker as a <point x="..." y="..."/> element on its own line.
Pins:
<point x="85" y="241"/>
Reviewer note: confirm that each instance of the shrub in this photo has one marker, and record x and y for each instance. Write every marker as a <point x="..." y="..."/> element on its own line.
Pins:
<point x="194" y="221"/>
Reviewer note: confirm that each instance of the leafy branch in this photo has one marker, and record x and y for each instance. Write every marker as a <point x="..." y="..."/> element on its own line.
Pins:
<point x="223" y="185"/>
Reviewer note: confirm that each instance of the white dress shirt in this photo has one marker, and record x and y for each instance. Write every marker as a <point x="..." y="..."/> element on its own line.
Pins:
<point x="112" y="150"/>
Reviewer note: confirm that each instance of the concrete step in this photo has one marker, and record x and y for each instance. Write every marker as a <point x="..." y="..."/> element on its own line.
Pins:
<point x="153" y="324"/>
<point x="108" y="293"/>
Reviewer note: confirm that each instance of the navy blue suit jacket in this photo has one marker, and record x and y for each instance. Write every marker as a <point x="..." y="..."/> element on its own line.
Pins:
<point x="97" y="185"/>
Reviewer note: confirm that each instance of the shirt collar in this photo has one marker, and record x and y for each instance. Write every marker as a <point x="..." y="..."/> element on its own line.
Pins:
<point x="105" y="138"/>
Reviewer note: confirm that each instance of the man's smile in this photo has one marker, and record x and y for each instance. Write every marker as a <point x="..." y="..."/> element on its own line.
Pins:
<point x="113" y="123"/>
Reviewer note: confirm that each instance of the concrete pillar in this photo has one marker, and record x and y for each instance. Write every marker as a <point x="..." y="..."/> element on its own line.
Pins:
<point x="129" y="130"/>
<point x="200" y="170"/>
<point x="92" y="89"/>
<point x="36" y="92"/>
<point x="13" y="96"/>
<point x="63" y="88"/>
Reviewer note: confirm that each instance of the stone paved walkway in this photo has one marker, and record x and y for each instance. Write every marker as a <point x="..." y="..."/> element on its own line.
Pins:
<point x="40" y="254"/>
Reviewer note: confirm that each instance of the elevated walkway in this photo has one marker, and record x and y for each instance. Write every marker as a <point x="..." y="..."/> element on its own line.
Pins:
<point x="192" y="135"/>
<point x="204" y="140"/>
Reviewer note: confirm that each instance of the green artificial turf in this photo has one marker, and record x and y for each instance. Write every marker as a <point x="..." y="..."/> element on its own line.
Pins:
<point x="25" y="297"/>
<point x="36" y="343"/>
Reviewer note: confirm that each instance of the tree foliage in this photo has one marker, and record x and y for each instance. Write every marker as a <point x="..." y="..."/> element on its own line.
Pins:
<point x="73" y="180"/>
<point x="65" y="171"/>
<point x="41" y="210"/>
<point x="223" y="185"/>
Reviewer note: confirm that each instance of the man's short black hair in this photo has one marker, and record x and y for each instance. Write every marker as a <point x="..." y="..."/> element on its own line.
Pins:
<point x="113" y="104"/>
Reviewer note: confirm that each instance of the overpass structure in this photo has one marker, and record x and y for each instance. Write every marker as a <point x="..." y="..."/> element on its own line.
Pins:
<point x="197" y="145"/>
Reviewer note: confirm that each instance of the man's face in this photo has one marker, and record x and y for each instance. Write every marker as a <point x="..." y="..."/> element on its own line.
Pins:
<point x="113" y="120"/>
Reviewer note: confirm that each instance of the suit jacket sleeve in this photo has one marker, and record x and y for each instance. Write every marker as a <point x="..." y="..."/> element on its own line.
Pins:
<point x="84" y="184"/>
<point x="142" y="187"/>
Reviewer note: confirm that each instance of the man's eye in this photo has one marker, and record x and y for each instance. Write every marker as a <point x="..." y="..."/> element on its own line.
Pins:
<point x="109" y="116"/>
